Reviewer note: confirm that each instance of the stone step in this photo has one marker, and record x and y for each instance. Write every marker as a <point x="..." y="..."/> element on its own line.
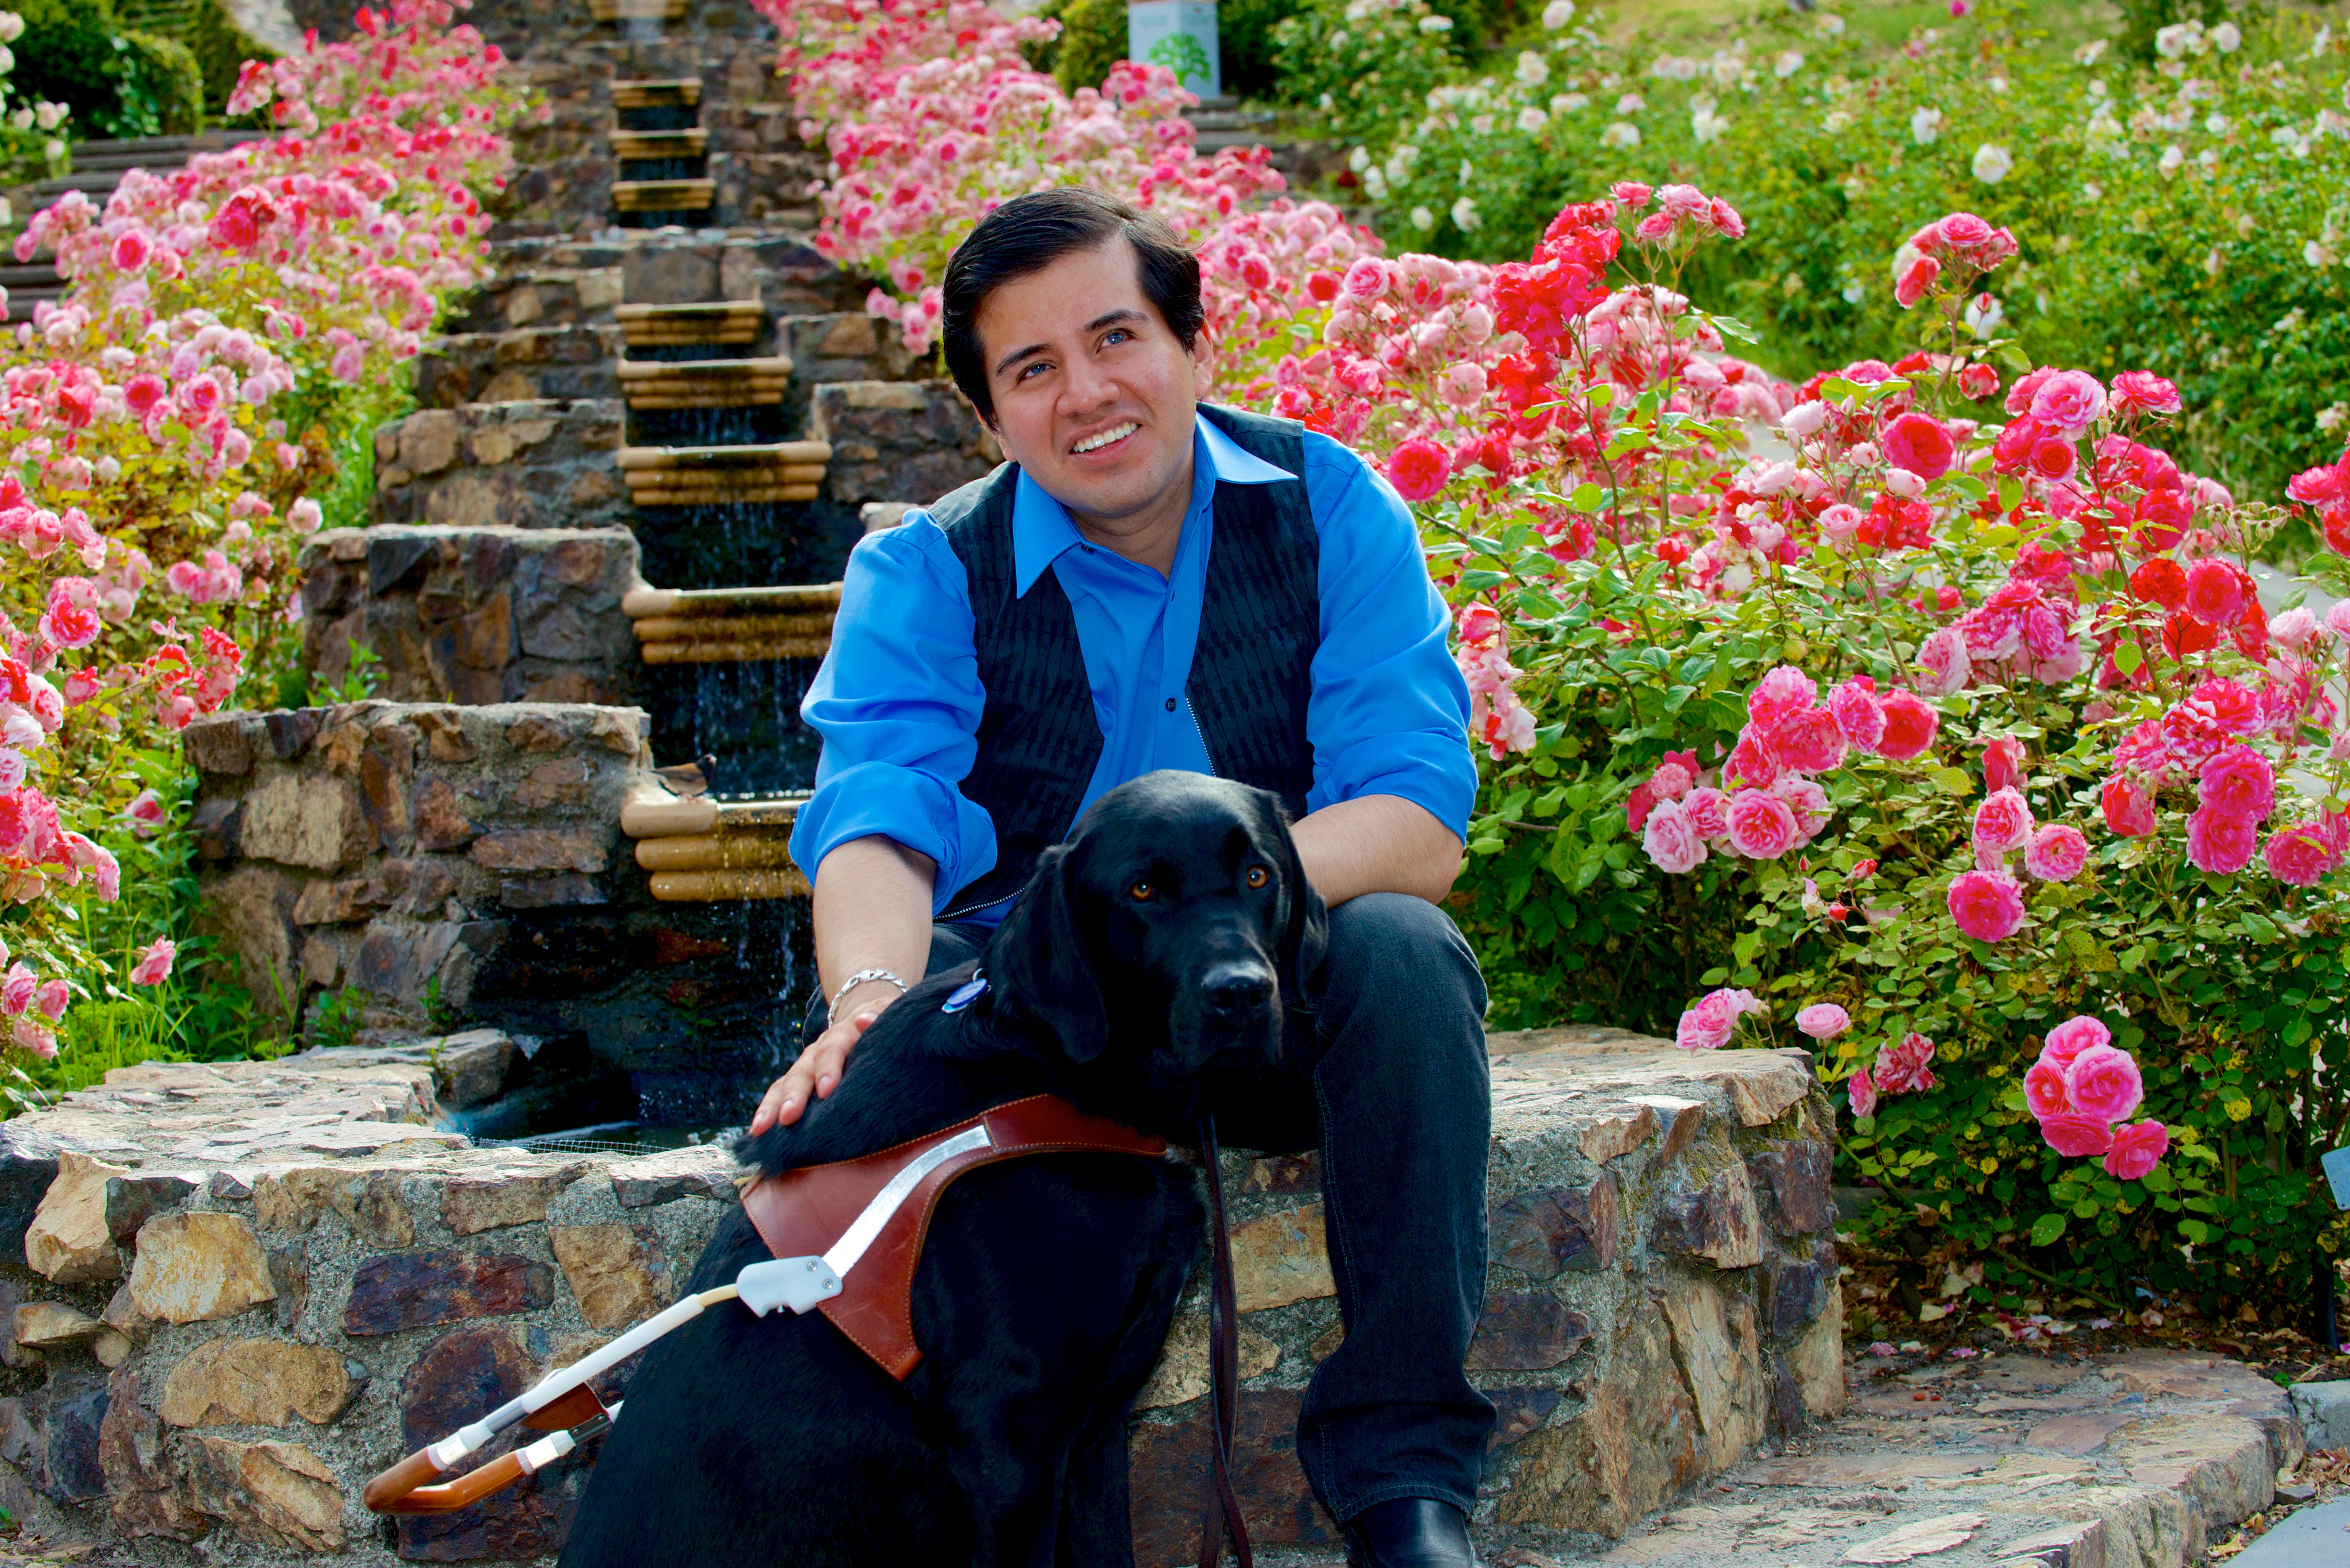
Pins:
<point x="735" y="322"/>
<point x="637" y="145"/>
<point x="781" y="270"/>
<point x="526" y="363"/>
<point x="679" y="92"/>
<point x="664" y="195"/>
<point x="1663" y="1303"/>
<point x="899" y="441"/>
<point x="625" y="11"/>
<point x="656" y="384"/>
<point x="724" y="475"/>
<point x="732" y="626"/>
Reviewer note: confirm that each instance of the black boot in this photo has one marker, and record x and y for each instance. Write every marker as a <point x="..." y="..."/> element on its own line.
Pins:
<point x="1409" y="1532"/>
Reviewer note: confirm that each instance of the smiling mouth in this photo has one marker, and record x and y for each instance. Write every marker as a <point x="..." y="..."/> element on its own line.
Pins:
<point x="1109" y="437"/>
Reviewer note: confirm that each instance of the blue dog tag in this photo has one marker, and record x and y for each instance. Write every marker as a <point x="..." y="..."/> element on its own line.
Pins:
<point x="2336" y="1166"/>
<point x="966" y="993"/>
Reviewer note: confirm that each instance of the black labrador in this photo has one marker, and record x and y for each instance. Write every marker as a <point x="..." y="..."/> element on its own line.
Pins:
<point x="1148" y="961"/>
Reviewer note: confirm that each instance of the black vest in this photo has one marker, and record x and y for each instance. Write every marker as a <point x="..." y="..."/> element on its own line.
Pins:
<point x="1251" y="672"/>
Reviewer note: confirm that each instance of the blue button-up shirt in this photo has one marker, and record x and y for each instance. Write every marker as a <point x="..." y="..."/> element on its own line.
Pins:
<point x="898" y="699"/>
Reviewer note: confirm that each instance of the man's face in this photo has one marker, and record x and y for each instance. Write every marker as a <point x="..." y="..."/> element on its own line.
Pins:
<point x="1095" y="395"/>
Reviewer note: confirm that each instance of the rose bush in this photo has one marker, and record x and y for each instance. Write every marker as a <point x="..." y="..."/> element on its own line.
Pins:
<point x="1927" y="706"/>
<point x="165" y="434"/>
<point x="2182" y="216"/>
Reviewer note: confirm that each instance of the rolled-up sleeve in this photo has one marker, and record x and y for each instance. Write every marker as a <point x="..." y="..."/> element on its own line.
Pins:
<point x="1389" y="713"/>
<point x="898" y="703"/>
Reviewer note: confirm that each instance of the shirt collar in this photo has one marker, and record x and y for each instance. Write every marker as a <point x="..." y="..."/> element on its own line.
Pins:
<point x="1042" y="530"/>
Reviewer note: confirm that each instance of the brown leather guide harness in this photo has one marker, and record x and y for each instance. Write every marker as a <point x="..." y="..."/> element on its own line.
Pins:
<point x="802" y="1213"/>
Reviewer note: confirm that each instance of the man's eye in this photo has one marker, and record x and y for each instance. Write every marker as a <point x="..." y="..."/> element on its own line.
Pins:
<point x="1258" y="877"/>
<point x="1116" y="335"/>
<point x="1033" y="369"/>
<point x="1142" y="892"/>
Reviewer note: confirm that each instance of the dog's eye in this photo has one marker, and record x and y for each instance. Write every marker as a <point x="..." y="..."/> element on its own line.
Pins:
<point x="1258" y="877"/>
<point x="1142" y="892"/>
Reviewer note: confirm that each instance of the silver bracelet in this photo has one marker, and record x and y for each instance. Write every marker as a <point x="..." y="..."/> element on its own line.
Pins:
<point x="832" y="1013"/>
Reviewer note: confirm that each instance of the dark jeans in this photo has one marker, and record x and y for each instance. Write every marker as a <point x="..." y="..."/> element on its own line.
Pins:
<point x="1400" y="1108"/>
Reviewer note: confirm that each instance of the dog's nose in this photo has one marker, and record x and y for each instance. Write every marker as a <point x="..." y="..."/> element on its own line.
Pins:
<point x="1232" y="989"/>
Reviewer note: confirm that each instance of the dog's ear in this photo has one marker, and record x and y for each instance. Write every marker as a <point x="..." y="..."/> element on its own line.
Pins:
<point x="1040" y="964"/>
<point x="1306" y="933"/>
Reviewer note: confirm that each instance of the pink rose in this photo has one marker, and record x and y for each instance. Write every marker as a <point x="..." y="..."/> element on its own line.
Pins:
<point x="1671" y="840"/>
<point x="1920" y="444"/>
<point x="2002" y="763"/>
<point x="2216" y="592"/>
<point x="1417" y="468"/>
<point x="1762" y="827"/>
<point x="154" y="962"/>
<point x="2141" y="392"/>
<point x="2237" y="781"/>
<point x="1910" y="726"/>
<point x="52" y="998"/>
<point x="2075" y="1136"/>
<point x="1808" y="801"/>
<point x="40" y="1042"/>
<point x="1708" y="1025"/>
<point x="1902" y="1068"/>
<point x="2127" y="806"/>
<point x="1943" y="657"/>
<point x="2069" y="400"/>
<point x="2298" y="856"/>
<point x="2063" y="1044"/>
<point x="1917" y="281"/>
<point x="1809" y="740"/>
<point x="16" y="992"/>
<point x="1986" y="905"/>
<point x="2219" y="844"/>
<point x="1854" y="703"/>
<point x="1822" y="1021"/>
<point x="1784" y="691"/>
<point x="1862" y="1092"/>
<point x="2044" y="1094"/>
<point x="131" y="249"/>
<point x="1751" y="761"/>
<point x="2057" y="852"/>
<point x="2003" y="823"/>
<point x="1671" y="780"/>
<point x="1709" y="812"/>
<point x="2103" y="1083"/>
<point x="2136" y="1149"/>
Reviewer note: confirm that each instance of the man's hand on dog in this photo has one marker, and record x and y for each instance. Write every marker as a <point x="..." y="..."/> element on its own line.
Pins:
<point x="820" y="1067"/>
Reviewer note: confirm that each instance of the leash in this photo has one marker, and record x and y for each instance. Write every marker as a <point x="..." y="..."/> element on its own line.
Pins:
<point x="1223" y="1511"/>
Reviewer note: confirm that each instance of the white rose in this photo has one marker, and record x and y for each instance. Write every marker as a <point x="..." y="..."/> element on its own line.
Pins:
<point x="1531" y="71"/>
<point x="1993" y="163"/>
<point x="1464" y="215"/>
<point x="1436" y="24"/>
<point x="1925" y="126"/>
<point x="2227" y="37"/>
<point x="1558" y="14"/>
<point x="12" y="26"/>
<point x="1423" y="220"/>
<point x="1533" y="121"/>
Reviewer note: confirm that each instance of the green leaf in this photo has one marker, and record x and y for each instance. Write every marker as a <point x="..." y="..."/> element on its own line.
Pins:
<point x="1477" y="582"/>
<point x="1953" y="781"/>
<point x="2195" y="1230"/>
<point x="1587" y="497"/>
<point x="2127" y="658"/>
<point x="2046" y="1229"/>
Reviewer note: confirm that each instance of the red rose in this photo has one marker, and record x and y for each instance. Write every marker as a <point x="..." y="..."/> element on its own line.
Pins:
<point x="1910" y="726"/>
<point x="2162" y="581"/>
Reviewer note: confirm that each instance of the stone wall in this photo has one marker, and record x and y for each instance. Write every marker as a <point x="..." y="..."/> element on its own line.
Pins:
<point x="899" y="440"/>
<point x="385" y="848"/>
<point x="465" y="865"/>
<point x="474" y="615"/>
<point x="251" y="1286"/>
<point x="541" y="464"/>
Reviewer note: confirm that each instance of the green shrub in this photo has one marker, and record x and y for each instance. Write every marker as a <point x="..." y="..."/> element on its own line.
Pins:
<point x="2190" y="219"/>
<point x="118" y="81"/>
<point x="220" y="46"/>
<point x="1092" y="41"/>
<point x="1244" y="32"/>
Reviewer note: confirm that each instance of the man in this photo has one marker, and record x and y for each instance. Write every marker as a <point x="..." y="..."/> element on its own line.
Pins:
<point x="1151" y="584"/>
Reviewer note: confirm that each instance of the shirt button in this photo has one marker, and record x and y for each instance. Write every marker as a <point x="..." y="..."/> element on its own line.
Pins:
<point x="1170" y="704"/>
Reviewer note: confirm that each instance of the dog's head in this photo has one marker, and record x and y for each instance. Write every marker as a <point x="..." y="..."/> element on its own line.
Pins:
<point x="1174" y="925"/>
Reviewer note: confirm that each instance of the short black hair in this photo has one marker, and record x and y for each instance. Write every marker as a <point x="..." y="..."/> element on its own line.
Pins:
<point x="1029" y="233"/>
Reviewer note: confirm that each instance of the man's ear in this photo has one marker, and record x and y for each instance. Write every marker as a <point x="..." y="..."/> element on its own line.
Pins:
<point x="1040" y="964"/>
<point x="1306" y="935"/>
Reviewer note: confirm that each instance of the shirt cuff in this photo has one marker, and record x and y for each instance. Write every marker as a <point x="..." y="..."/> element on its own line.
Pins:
<point x="919" y="810"/>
